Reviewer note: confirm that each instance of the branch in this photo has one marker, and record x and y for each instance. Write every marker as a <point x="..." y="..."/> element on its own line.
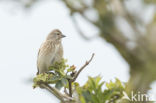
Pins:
<point x="70" y="88"/>
<point x="130" y="19"/>
<point x="77" y="27"/>
<point x="77" y="74"/>
<point x="72" y="8"/>
<point x="81" y="10"/>
<point x="58" y="94"/>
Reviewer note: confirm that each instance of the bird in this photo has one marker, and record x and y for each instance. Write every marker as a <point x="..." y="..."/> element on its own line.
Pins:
<point x="50" y="51"/>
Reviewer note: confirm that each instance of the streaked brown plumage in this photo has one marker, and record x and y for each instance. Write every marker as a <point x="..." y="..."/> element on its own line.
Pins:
<point x="51" y="51"/>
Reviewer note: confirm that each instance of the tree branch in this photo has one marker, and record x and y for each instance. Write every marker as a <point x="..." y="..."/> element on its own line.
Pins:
<point x="77" y="27"/>
<point x="58" y="94"/>
<point x="70" y="88"/>
<point x="77" y="74"/>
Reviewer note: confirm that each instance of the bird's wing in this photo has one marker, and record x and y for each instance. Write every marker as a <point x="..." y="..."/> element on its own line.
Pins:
<point x="44" y="50"/>
<point x="38" y="57"/>
<point x="37" y="62"/>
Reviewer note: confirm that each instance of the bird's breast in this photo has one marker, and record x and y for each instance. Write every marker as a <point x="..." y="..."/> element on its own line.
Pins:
<point x="51" y="55"/>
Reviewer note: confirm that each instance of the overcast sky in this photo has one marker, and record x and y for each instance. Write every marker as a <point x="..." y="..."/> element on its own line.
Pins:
<point x="21" y="34"/>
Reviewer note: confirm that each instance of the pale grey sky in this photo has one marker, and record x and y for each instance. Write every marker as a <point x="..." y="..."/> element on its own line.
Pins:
<point x="21" y="34"/>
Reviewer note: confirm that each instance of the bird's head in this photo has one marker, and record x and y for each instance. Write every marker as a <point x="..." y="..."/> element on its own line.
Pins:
<point x="55" y="35"/>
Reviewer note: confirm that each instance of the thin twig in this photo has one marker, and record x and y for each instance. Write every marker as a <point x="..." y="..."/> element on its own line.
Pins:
<point x="87" y="19"/>
<point x="79" y="30"/>
<point x="74" y="10"/>
<point x="77" y="27"/>
<point x="77" y="74"/>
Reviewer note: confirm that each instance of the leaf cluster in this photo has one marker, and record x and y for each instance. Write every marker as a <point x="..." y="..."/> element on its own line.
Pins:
<point x="92" y="91"/>
<point x="58" y="74"/>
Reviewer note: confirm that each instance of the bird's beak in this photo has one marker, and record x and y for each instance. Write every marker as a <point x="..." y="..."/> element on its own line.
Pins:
<point x="62" y="36"/>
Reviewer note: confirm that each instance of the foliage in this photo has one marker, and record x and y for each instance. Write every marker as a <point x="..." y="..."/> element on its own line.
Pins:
<point x="91" y="92"/>
<point x="150" y="1"/>
<point x="56" y="75"/>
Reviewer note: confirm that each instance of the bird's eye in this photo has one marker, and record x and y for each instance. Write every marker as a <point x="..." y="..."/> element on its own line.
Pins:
<point x="57" y="33"/>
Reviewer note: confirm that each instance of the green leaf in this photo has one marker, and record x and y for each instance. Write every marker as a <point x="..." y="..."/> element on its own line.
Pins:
<point x="59" y="85"/>
<point x="64" y="81"/>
